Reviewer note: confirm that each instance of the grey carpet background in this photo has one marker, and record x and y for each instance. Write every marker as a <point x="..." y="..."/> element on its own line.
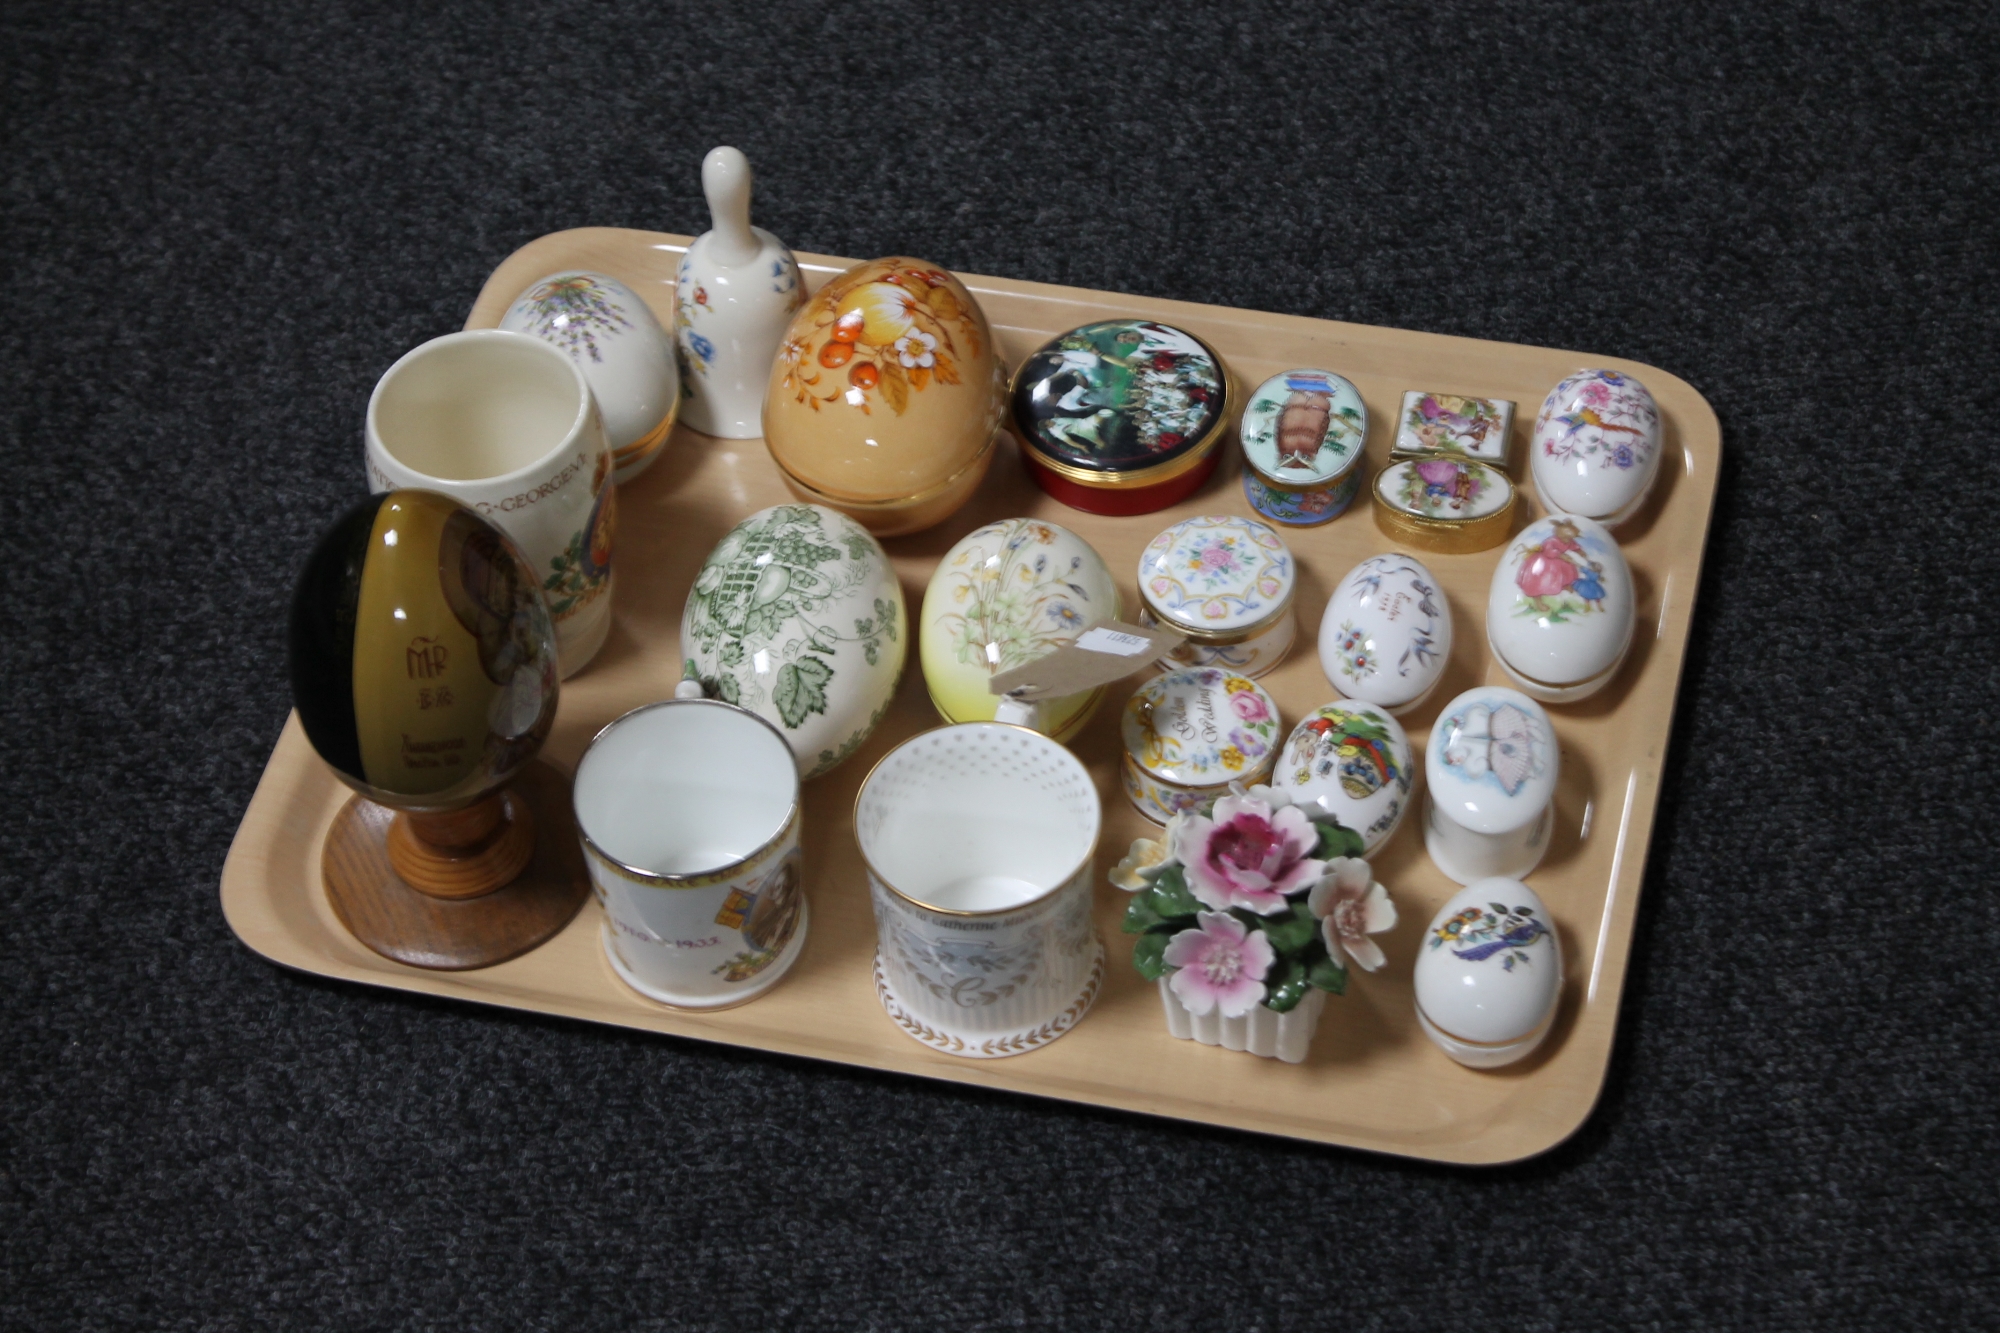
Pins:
<point x="222" y="222"/>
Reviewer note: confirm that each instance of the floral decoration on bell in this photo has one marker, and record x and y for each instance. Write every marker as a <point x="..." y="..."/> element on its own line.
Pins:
<point x="1258" y="902"/>
<point x="891" y="334"/>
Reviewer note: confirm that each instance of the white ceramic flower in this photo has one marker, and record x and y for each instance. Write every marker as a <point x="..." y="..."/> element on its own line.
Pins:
<point x="1351" y="906"/>
<point x="1147" y="860"/>
<point x="916" y="349"/>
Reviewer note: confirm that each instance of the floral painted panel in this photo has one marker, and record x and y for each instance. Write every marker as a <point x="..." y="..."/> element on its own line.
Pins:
<point x="1216" y="573"/>
<point x="1446" y="488"/>
<point x="1445" y="423"/>
<point x="1478" y="932"/>
<point x="574" y="311"/>
<point x="1120" y="395"/>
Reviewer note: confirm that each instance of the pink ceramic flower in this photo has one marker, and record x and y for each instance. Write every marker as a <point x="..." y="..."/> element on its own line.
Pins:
<point x="1351" y="906"/>
<point x="1220" y="965"/>
<point x="1249" y="855"/>
<point x="1249" y="705"/>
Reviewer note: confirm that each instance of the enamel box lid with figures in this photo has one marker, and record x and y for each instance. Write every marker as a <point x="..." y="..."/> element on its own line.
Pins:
<point x="797" y="616"/>
<point x="1352" y="760"/>
<point x="1560" y="614"/>
<point x="1386" y="633"/>
<point x="1121" y="399"/>
<point x="1203" y="727"/>
<point x="1492" y="761"/>
<point x="1218" y="579"/>
<point x="1596" y="448"/>
<point x="1453" y="426"/>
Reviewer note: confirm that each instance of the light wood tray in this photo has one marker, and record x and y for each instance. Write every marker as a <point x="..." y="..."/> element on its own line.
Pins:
<point x="1372" y="1080"/>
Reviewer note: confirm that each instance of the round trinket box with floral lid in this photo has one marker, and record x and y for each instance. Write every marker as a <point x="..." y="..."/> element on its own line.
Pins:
<point x="1386" y="633"/>
<point x="1489" y="973"/>
<point x="1302" y="434"/>
<point x="1189" y="734"/>
<point x="1122" y="417"/>
<point x="1559" y="615"/>
<point x="885" y="397"/>
<point x="1226" y="584"/>
<point x="1596" y="447"/>
<point x="1352" y="760"/>
<point x="1490" y="777"/>
<point x="1004" y="595"/>
<point x="1248" y="913"/>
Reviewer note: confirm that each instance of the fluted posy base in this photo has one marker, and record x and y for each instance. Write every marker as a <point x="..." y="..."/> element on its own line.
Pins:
<point x="1260" y="1032"/>
<point x="980" y="1047"/>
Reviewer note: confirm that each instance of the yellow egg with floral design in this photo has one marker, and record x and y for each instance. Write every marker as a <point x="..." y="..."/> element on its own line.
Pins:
<point x="896" y="427"/>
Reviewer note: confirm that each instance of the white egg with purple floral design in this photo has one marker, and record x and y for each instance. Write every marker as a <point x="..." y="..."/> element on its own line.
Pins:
<point x="1489" y="973"/>
<point x="625" y="356"/>
<point x="1352" y="760"/>
<point x="1560" y="614"/>
<point x="1386" y="633"/>
<point x="1596" y="447"/>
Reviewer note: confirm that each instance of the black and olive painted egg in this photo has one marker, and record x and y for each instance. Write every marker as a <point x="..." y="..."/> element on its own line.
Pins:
<point x="423" y="660"/>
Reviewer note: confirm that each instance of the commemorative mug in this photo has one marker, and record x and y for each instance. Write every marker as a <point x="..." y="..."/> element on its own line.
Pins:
<point x="505" y="424"/>
<point x="688" y="810"/>
<point x="979" y="840"/>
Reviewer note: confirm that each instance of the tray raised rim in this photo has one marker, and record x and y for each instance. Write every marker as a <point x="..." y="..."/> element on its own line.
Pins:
<point x="273" y="856"/>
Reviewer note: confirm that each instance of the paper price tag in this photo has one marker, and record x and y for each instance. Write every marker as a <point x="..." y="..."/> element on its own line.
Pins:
<point x="1107" y="651"/>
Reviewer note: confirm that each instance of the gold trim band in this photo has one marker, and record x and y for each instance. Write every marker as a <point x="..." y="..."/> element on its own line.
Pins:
<point x="1447" y="536"/>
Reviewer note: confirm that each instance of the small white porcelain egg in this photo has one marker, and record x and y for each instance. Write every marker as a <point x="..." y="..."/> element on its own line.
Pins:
<point x="1559" y="617"/>
<point x="1352" y="760"/>
<point x="1596" y="447"/>
<point x="623" y="352"/>
<point x="797" y="616"/>
<point x="1489" y="973"/>
<point x="1386" y="633"/>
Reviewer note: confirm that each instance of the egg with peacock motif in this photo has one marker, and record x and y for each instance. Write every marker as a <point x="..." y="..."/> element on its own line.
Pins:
<point x="797" y="616"/>
<point x="1596" y="446"/>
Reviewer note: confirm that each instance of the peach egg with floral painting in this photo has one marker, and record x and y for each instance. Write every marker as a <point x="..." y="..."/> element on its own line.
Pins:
<point x="885" y="397"/>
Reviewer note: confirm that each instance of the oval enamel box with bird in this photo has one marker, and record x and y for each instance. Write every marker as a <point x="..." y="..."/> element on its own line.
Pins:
<point x="1559" y="615"/>
<point x="797" y="616"/>
<point x="1596" y="447"/>
<point x="1489" y="973"/>
<point x="624" y="354"/>
<point x="423" y="661"/>
<point x="885" y="396"/>
<point x="1386" y="633"/>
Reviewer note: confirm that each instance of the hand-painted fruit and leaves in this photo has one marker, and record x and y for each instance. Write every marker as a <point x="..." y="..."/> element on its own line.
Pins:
<point x="889" y="329"/>
<point x="767" y="589"/>
<point x="580" y="573"/>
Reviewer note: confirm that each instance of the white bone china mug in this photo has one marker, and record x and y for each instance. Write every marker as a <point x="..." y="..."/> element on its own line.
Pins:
<point x="506" y="425"/>
<point x="979" y="840"/>
<point x="688" y="811"/>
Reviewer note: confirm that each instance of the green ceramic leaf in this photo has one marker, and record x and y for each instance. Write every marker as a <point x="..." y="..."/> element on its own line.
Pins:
<point x="1288" y="986"/>
<point x="1171" y="897"/>
<point x="1292" y="932"/>
<point x="1140" y="916"/>
<point x="1146" y="956"/>
<point x="1328" y="975"/>
<point x="1336" y="840"/>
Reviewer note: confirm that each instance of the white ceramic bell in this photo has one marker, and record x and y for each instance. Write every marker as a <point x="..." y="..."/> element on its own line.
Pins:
<point x="1490" y="773"/>
<point x="1559" y="617"/>
<point x="1489" y="974"/>
<point x="737" y="289"/>
<point x="1386" y="633"/>
<point x="1596" y="448"/>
